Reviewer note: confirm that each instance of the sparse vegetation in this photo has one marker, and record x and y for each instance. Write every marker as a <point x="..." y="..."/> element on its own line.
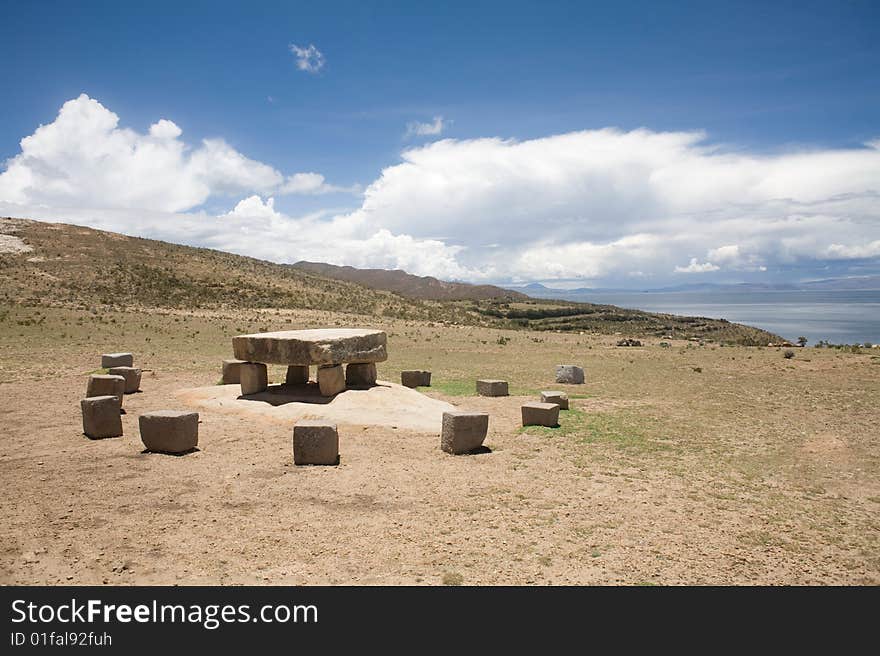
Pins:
<point x="759" y="472"/>
<point x="100" y="271"/>
<point x="453" y="578"/>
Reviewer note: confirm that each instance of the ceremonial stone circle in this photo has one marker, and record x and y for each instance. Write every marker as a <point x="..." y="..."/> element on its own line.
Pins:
<point x="345" y="359"/>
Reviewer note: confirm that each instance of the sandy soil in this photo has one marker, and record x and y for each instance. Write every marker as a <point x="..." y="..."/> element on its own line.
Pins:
<point x="755" y="469"/>
<point x="387" y="405"/>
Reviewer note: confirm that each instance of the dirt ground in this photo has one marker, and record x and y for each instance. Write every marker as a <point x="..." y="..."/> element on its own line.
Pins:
<point x="685" y="464"/>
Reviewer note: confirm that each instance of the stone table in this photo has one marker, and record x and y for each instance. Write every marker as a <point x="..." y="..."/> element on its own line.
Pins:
<point x="327" y="348"/>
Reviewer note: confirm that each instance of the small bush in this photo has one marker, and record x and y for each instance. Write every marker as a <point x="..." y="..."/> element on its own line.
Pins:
<point x="452" y="578"/>
<point x="788" y="355"/>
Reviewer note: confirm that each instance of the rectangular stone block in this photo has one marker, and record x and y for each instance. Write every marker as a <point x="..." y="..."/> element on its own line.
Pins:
<point x="331" y="380"/>
<point x="415" y="378"/>
<point x="559" y="398"/>
<point x="315" y="442"/>
<point x="312" y="347"/>
<point x="117" y="360"/>
<point x="492" y="388"/>
<point x="296" y="375"/>
<point x="232" y="372"/>
<point x="106" y="385"/>
<point x="101" y="418"/>
<point x="463" y="432"/>
<point x="132" y="376"/>
<point x="360" y="375"/>
<point x="169" y="431"/>
<point x="569" y="374"/>
<point x="540" y="414"/>
<point x="254" y="378"/>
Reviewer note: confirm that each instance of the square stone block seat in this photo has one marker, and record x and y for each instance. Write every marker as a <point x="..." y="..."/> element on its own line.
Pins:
<point x="232" y="372"/>
<point x="132" y="376"/>
<point x="101" y="418"/>
<point x="559" y="398"/>
<point x="540" y="414"/>
<point x="169" y="431"/>
<point x="117" y="360"/>
<point x="569" y="374"/>
<point x="463" y="432"/>
<point x="492" y="388"/>
<point x="414" y="378"/>
<point x="254" y="378"/>
<point x="106" y="385"/>
<point x="315" y="442"/>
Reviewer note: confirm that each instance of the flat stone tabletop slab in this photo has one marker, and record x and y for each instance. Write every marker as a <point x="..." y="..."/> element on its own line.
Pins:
<point x="313" y="347"/>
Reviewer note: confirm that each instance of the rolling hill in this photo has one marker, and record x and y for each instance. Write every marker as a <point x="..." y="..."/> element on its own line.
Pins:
<point x="58" y="264"/>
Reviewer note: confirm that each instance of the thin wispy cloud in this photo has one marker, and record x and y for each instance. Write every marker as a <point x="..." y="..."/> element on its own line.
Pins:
<point x="432" y="129"/>
<point x="308" y="58"/>
<point x="314" y="184"/>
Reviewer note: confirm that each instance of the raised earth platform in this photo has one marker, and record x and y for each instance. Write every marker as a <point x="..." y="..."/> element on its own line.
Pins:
<point x="387" y="405"/>
<point x="326" y="346"/>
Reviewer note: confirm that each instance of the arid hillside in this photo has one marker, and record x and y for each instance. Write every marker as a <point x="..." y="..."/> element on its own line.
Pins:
<point x="410" y="286"/>
<point x="80" y="268"/>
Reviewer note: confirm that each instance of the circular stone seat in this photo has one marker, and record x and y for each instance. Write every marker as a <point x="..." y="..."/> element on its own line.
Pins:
<point x="169" y="431"/>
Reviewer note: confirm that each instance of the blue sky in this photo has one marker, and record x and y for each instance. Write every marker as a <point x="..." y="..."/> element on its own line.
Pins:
<point x="763" y="82"/>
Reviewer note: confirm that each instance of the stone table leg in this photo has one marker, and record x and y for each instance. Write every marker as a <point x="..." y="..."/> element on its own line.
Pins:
<point x="360" y="375"/>
<point x="331" y="379"/>
<point x="254" y="378"/>
<point x="297" y="375"/>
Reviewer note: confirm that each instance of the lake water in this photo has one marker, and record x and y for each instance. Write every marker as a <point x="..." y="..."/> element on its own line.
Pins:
<point x="839" y="317"/>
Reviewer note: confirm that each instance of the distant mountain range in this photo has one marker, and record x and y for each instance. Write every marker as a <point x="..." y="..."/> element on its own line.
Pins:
<point x="858" y="283"/>
<point x="410" y="286"/>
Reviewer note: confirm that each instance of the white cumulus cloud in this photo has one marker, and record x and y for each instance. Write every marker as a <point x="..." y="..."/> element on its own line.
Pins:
<point x="308" y="58"/>
<point x="313" y="184"/>
<point x="587" y="205"/>
<point x="696" y="267"/>
<point x="84" y="159"/>
<point x="602" y="203"/>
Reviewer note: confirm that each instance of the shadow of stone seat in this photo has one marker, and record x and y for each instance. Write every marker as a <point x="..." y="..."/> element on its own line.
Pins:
<point x="283" y="394"/>
<point x="176" y="454"/>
